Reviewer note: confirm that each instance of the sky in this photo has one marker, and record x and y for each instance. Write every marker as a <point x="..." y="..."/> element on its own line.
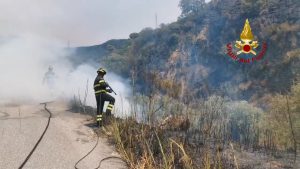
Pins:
<point x="83" y="22"/>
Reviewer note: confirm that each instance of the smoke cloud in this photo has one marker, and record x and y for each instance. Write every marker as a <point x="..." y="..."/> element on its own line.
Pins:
<point x="25" y="60"/>
<point x="34" y="35"/>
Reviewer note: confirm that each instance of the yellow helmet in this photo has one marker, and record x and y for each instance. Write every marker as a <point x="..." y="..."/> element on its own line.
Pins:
<point x="101" y="70"/>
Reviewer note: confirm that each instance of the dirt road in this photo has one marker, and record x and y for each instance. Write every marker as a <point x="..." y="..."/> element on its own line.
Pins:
<point x="65" y="142"/>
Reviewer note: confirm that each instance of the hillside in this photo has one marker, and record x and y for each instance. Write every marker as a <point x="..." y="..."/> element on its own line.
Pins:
<point x="190" y="54"/>
<point x="188" y="92"/>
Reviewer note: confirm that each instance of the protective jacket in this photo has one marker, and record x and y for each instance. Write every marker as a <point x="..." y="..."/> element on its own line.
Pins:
<point x="100" y="86"/>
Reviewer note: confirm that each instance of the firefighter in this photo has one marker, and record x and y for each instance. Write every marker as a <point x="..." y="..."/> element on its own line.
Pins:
<point x="102" y="89"/>
<point x="49" y="78"/>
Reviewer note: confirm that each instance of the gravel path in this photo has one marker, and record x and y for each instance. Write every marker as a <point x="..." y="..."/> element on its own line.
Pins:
<point x="65" y="142"/>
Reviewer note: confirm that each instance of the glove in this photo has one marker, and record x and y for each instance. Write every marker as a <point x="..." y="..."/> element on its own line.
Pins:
<point x="109" y="90"/>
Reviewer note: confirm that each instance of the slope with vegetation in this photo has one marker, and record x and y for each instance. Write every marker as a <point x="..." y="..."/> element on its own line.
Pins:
<point x="224" y="110"/>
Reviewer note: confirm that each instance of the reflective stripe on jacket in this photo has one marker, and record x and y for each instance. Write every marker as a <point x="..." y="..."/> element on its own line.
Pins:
<point x="100" y="85"/>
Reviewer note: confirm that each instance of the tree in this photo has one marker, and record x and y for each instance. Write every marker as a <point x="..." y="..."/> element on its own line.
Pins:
<point x="191" y="6"/>
<point x="133" y="35"/>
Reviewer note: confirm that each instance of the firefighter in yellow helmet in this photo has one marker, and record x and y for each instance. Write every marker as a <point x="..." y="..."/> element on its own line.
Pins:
<point x="102" y="89"/>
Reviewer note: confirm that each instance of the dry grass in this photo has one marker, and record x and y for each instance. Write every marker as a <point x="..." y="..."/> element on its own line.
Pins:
<point x="196" y="136"/>
<point x="145" y="147"/>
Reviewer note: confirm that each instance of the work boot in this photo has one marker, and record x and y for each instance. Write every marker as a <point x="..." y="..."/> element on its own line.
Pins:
<point x="99" y="124"/>
<point x="108" y="113"/>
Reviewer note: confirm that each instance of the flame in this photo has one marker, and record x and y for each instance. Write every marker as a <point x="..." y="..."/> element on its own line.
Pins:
<point x="247" y="33"/>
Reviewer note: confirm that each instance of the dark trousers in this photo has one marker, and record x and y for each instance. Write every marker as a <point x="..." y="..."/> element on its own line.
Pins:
<point x="101" y="98"/>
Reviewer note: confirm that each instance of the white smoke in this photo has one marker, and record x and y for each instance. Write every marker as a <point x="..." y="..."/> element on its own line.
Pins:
<point x="25" y="59"/>
<point x="34" y="34"/>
